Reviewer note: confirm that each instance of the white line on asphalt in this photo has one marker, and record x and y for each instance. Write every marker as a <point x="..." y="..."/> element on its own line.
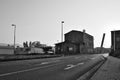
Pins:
<point x="50" y="62"/>
<point x="80" y="63"/>
<point x="44" y="63"/>
<point x="69" y="66"/>
<point x="6" y="74"/>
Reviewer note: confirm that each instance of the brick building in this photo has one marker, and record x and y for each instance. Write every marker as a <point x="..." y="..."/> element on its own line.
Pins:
<point x="115" y="43"/>
<point x="75" y="42"/>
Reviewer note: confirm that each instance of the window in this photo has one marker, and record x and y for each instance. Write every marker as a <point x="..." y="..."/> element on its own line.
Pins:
<point x="70" y="49"/>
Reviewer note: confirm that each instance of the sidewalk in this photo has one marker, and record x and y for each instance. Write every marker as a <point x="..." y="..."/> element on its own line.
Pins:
<point x="110" y="70"/>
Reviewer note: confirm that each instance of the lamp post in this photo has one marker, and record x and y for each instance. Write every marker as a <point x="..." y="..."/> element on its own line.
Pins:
<point x="14" y="37"/>
<point x="62" y="31"/>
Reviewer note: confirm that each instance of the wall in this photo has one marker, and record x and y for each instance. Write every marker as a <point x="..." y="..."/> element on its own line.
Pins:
<point x="88" y="43"/>
<point x="74" y="37"/>
<point x="70" y="48"/>
<point x="76" y="42"/>
<point x="6" y="51"/>
<point x="115" y="38"/>
<point x="67" y="48"/>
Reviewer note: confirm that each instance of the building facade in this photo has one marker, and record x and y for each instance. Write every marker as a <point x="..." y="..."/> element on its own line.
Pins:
<point x="75" y="42"/>
<point x="115" y="43"/>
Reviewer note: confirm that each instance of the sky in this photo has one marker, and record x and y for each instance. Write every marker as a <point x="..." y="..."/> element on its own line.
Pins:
<point x="40" y="20"/>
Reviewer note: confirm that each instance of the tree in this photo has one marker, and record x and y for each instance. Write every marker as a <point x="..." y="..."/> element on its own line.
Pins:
<point x="26" y="43"/>
<point x="30" y="44"/>
<point x="36" y="44"/>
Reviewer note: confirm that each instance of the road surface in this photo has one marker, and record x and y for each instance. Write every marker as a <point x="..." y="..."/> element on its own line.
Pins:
<point x="61" y="68"/>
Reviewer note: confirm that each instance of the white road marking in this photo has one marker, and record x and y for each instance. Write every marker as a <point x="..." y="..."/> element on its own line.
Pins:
<point x="36" y="68"/>
<point x="69" y="66"/>
<point x="80" y="63"/>
<point x="50" y="62"/>
<point x="44" y="63"/>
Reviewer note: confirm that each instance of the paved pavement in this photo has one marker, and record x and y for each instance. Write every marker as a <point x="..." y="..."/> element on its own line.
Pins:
<point x="62" y="68"/>
<point x="110" y="70"/>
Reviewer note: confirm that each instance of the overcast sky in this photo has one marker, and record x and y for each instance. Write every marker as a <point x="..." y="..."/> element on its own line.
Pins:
<point x="40" y="20"/>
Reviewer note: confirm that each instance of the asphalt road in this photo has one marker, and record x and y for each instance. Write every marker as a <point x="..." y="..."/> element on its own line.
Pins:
<point x="61" y="68"/>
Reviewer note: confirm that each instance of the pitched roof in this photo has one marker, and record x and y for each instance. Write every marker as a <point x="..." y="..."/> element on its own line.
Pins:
<point x="78" y="32"/>
<point x="115" y="31"/>
<point x="73" y="31"/>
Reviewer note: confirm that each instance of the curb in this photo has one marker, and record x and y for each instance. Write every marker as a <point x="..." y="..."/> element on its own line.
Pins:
<point x="92" y="71"/>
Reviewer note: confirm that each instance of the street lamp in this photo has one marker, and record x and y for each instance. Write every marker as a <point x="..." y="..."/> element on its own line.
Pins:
<point x="14" y="36"/>
<point x="62" y="31"/>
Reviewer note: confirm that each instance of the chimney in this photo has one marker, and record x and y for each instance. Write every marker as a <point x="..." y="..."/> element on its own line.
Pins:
<point x="84" y="30"/>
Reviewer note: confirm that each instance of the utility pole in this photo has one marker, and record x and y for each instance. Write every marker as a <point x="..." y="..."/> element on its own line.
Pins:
<point x="62" y="22"/>
<point x="14" y="37"/>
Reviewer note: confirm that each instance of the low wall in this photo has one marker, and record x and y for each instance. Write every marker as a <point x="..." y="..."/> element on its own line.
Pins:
<point x="6" y="51"/>
<point x="25" y="57"/>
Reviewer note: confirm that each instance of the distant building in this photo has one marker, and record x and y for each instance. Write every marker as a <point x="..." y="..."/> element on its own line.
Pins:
<point x="75" y="42"/>
<point x="6" y="50"/>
